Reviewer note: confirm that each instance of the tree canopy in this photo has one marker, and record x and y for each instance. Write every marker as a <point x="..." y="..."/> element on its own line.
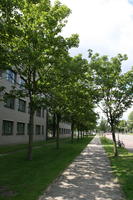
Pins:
<point x="115" y="89"/>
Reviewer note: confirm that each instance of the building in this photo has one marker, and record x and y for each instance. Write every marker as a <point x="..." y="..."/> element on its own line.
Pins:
<point x="14" y="115"/>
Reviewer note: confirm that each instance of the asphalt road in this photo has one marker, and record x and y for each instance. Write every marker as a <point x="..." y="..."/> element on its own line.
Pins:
<point x="126" y="139"/>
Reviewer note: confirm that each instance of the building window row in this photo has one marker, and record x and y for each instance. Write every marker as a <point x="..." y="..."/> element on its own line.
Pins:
<point x="8" y="128"/>
<point x="65" y="131"/>
<point x="10" y="103"/>
<point x="22" y="105"/>
<point x="11" y="76"/>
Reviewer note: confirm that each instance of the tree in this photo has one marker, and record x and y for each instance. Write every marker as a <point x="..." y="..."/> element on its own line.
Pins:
<point x="130" y="121"/>
<point x="9" y="17"/>
<point x="37" y="49"/>
<point x="103" y="126"/>
<point x="68" y="96"/>
<point x="79" y="94"/>
<point x="122" y="126"/>
<point x="114" y="88"/>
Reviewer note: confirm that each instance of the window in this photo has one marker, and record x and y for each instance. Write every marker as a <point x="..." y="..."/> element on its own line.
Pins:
<point x="21" y="83"/>
<point x="38" y="129"/>
<point x="38" y="112"/>
<point x="42" y="130"/>
<point x="10" y="102"/>
<point x="7" y="127"/>
<point x="11" y="76"/>
<point x="43" y="113"/>
<point x="22" y="105"/>
<point x="20" y="128"/>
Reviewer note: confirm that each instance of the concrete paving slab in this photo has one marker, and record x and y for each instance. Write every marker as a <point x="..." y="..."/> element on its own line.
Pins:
<point x="89" y="177"/>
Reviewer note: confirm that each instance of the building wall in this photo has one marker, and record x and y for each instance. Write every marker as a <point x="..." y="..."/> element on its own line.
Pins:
<point x="65" y="129"/>
<point x="15" y="116"/>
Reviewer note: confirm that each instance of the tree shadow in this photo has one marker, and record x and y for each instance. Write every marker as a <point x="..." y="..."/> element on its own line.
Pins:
<point x="89" y="177"/>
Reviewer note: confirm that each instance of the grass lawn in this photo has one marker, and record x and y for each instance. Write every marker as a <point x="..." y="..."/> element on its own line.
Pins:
<point x="16" y="147"/>
<point x="122" y="167"/>
<point x="26" y="180"/>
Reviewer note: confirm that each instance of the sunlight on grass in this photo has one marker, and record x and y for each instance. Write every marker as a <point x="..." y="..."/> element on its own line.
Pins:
<point x="26" y="180"/>
<point x="122" y="167"/>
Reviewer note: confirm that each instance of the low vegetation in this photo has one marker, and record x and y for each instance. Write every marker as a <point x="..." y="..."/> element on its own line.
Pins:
<point x="23" y="180"/>
<point x="122" y="167"/>
<point x="16" y="147"/>
<point x="4" y="149"/>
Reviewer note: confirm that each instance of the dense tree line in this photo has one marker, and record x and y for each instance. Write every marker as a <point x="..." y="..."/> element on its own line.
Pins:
<point x="70" y="87"/>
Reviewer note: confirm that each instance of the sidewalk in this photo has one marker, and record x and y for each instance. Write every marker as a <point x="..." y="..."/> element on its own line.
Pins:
<point x="89" y="177"/>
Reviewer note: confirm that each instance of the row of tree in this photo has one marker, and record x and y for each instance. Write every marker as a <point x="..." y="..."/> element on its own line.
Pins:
<point x="70" y="87"/>
<point x="34" y="48"/>
<point x="124" y="126"/>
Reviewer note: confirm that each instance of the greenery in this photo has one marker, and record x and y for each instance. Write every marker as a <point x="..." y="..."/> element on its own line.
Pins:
<point x="130" y="122"/>
<point x="103" y="126"/>
<point x="122" y="126"/>
<point x="16" y="147"/>
<point x="122" y="167"/>
<point x="29" y="179"/>
<point x="69" y="87"/>
<point x="114" y="89"/>
<point x="38" y="48"/>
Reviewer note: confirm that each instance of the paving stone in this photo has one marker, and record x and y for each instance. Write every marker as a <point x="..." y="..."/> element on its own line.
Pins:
<point x="89" y="177"/>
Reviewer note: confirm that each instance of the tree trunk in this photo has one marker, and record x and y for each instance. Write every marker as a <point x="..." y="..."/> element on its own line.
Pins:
<point x="81" y="134"/>
<point x="114" y="140"/>
<point x="78" y="134"/>
<point x="31" y="132"/>
<point x="72" y="132"/>
<point x="46" y="125"/>
<point x="58" y="131"/>
<point x="54" y="125"/>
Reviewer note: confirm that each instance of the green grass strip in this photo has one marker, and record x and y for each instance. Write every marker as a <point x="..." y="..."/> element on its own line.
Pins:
<point x="17" y="147"/>
<point x="122" y="167"/>
<point x="28" y="179"/>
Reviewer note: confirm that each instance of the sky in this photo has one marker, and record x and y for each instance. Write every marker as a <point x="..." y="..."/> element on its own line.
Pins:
<point x="105" y="26"/>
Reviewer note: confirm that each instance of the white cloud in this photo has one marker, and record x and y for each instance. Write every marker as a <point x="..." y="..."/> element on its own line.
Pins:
<point x="106" y="26"/>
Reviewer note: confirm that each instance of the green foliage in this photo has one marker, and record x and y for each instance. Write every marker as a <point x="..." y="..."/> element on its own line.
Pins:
<point x="29" y="179"/>
<point x="79" y="91"/>
<point x="122" y="167"/>
<point x="35" y="46"/>
<point x="103" y="126"/>
<point x="122" y="126"/>
<point x="130" y="121"/>
<point x="10" y="15"/>
<point x="69" y="93"/>
<point x="114" y="88"/>
<point x="130" y="116"/>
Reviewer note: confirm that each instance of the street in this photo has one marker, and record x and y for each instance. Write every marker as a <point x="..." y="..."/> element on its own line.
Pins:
<point x="126" y="139"/>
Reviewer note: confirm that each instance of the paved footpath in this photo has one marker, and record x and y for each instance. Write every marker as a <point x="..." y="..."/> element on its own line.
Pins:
<point x="89" y="177"/>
